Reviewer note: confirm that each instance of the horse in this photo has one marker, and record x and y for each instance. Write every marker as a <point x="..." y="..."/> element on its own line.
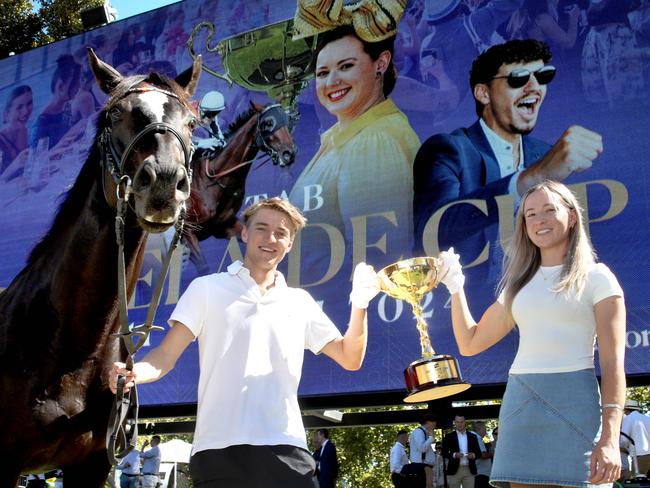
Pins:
<point x="59" y="315"/>
<point x="219" y="180"/>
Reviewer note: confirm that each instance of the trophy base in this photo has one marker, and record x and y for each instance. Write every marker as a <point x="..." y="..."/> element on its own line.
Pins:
<point x="432" y="378"/>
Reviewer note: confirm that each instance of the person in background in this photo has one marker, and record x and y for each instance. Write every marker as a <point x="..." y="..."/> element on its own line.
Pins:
<point x="562" y="302"/>
<point x="439" y="478"/>
<point x="130" y="469"/>
<point x="461" y="450"/>
<point x="13" y="133"/>
<point x="211" y="105"/>
<point x="484" y="462"/>
<point x="56" y="118"/>
<point x="36" y="481"/>
<point x="327" y="469"/>
<point x="420" y="451"/>
<point x="150" y="463"/>
<point x="636" y="425"/>
<point x="399" y="459"/>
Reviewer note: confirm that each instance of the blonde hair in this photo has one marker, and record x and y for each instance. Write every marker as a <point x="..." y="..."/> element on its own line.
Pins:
<point x="296" y="219"/>
<point x="523" y="258"/>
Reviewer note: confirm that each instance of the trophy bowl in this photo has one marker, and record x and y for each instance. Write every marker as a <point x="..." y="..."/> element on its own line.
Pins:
<point x="434" y="375"/>
<point x="265" y="59"/>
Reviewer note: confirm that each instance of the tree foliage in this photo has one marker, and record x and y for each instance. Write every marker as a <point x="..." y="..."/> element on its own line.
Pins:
<point x="22" y="27"/>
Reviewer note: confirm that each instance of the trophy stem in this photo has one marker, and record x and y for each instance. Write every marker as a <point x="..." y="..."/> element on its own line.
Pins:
<point x="425" y="342"/>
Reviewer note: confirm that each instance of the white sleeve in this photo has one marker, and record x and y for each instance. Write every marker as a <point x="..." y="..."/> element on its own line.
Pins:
<point x="191" y="307"/>
<point x="603" y="284"/>
<point x="320" y="329"/>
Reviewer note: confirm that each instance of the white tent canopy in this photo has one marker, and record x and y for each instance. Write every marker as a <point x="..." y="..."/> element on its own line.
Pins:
<point x="175" y="451"/>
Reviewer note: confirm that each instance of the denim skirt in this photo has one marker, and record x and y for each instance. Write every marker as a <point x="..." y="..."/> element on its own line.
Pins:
<point x="548" y="426"/>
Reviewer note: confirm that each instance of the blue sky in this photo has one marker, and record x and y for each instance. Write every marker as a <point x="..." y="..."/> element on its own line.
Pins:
<point x="127" y="8"/>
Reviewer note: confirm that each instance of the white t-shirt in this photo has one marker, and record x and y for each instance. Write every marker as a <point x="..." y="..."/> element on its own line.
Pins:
<point x="251" y="349"/>
<point x="557" y="331"/>
<point x="637" y="426"/>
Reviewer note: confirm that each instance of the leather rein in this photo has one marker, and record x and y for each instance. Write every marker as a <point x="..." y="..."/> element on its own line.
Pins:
<point x="123" y="422"/>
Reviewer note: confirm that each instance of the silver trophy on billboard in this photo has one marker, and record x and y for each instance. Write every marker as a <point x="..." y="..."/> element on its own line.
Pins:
<point x="265" y="59"/>
<point x="433" y="375"/>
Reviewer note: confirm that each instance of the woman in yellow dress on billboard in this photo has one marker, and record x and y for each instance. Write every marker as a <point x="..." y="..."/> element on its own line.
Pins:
<point x="361" y="177"/>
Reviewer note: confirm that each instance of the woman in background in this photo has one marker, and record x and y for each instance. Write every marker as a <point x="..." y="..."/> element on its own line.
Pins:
<point x="13" y="134"/>
<point x="56" y="118"/>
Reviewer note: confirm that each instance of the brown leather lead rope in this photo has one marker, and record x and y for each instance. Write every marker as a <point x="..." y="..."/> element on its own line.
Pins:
<point x="123" y="421"/>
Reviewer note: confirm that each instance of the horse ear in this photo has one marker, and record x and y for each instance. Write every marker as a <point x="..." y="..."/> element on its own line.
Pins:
<point x="107" y="77"/>
<point x="189" y="79"/>
<point x="256" y="106"/>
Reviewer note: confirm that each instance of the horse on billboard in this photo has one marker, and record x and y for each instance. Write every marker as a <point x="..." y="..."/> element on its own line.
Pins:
<point x="58" y="315"/>
<point x="219" y="178"/>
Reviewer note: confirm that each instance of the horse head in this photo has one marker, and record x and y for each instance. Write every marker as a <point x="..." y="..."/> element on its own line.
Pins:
<point x="145" y="142"/>
<point x="273" y="134"/>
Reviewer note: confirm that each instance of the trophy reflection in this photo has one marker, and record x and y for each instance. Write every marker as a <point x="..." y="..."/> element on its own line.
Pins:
<point x="433" y="375"/>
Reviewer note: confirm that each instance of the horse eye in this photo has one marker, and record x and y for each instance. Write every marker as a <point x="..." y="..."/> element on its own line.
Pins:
<point x="115" y="114"/>
<point x="192" y="124"/>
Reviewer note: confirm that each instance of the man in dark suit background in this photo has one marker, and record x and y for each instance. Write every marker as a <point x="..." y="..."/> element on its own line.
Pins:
<point x="461" y="449"/>
<point x="460" y="177"/>
<point x="327" y="463"/>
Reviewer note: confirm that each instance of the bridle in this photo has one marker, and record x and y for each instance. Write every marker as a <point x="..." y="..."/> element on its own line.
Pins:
<point x="123" y="421"/>
<point x="109" y="156"/>
<point x="269" y="121"/>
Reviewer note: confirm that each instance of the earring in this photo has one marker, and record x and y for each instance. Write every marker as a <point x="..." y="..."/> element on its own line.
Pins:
<point x="378" y="75"/>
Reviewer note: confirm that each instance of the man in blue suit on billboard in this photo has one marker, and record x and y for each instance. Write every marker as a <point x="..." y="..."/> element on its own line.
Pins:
<point x="459" y="177"/>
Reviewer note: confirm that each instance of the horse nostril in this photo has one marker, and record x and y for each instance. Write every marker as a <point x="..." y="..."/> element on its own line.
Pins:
<point x="145" y="178"/>
<point x="182" y="181"/>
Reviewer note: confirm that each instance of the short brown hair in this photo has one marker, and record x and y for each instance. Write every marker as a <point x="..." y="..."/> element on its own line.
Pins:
<point x="296" y="219"/>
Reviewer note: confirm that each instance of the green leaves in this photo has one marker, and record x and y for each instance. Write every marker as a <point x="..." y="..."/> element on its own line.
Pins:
<point x="22" y="28"/>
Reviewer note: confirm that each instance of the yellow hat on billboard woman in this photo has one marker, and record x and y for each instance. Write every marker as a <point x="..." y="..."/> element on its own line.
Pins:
<point x="372" y="20"/>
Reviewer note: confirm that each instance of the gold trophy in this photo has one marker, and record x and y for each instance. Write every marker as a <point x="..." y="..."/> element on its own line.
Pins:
<point x="264" y="59"/>
<point x="433" y="375"/>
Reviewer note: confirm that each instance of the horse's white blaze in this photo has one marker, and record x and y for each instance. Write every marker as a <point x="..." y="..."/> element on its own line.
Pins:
<point x="155" y="102"/>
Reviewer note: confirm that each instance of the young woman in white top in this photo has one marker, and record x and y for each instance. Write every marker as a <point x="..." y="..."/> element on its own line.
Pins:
<point x="554" y="430"/>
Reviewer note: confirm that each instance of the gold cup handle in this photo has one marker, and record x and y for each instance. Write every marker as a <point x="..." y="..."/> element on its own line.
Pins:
<point x="190" y="46"/>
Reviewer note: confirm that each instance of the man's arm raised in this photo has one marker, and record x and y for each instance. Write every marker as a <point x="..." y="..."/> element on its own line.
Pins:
<point x="350" y="350"/>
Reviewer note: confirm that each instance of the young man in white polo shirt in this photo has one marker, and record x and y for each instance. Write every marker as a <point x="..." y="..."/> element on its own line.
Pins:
<point x="252" y="331"/>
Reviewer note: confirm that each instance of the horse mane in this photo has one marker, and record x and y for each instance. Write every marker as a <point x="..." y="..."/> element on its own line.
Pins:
<point x="239" y="122"/>
<point x="75" y="197"/>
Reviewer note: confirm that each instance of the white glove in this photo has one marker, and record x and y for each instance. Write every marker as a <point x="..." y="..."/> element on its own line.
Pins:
<point x="365" y="285"/>
<point x="452" y="271"/>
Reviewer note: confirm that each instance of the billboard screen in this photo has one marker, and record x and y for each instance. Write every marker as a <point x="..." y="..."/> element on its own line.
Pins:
<point x="358" y="205"/>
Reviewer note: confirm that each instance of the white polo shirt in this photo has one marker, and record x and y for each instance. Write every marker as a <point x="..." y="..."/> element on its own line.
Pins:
<point x="251" y="349"/>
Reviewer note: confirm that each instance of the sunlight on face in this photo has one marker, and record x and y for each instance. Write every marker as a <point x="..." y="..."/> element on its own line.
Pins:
<point x="346" y="82"/>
